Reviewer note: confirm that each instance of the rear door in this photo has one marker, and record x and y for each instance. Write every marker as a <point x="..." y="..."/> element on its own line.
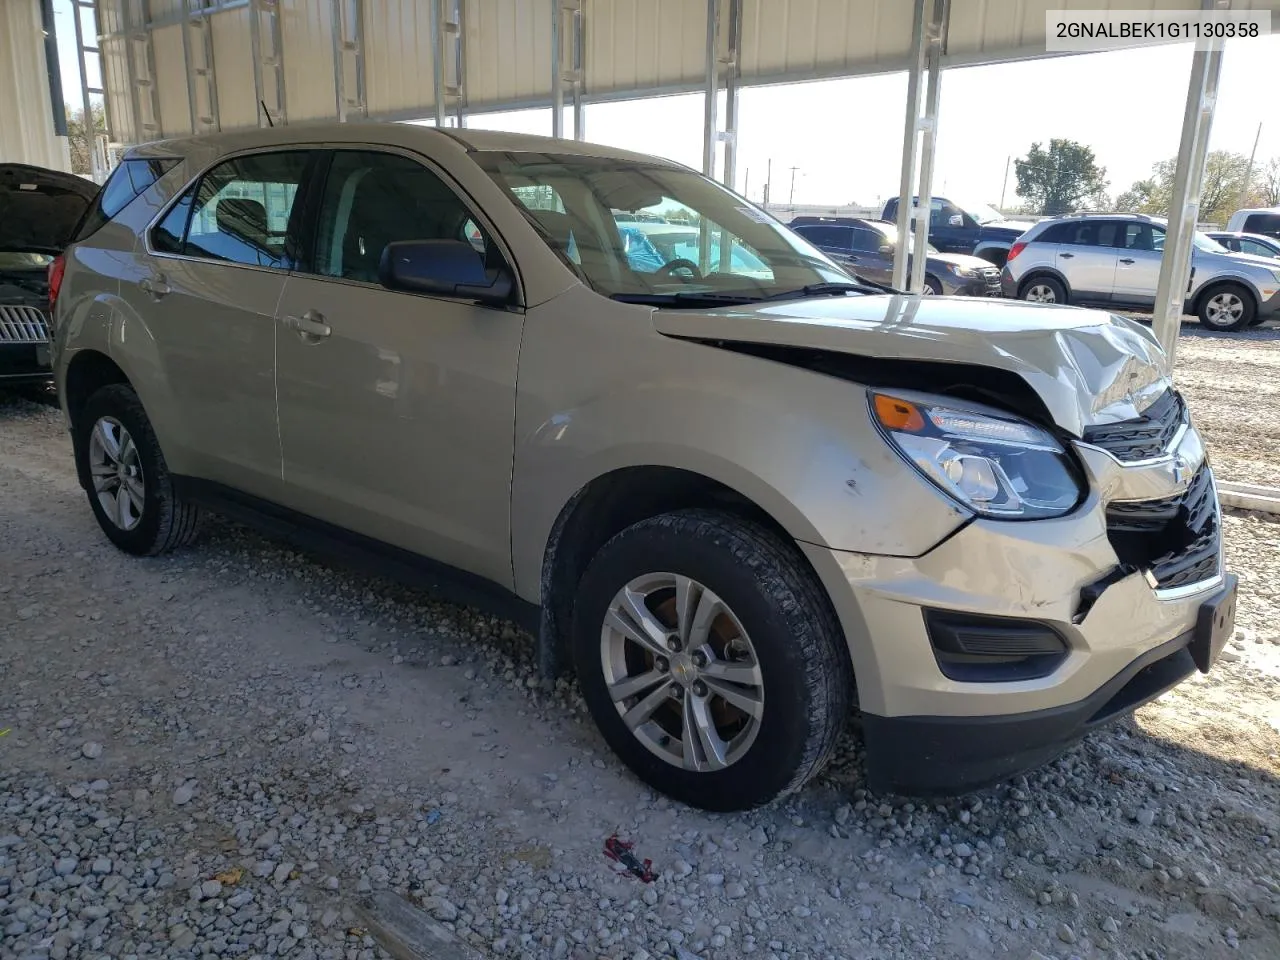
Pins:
<point x="397" y="410"/>
<point x="1087" y="258"/>
<point x="208" y="287"/>
<point x="1140" y="248"/>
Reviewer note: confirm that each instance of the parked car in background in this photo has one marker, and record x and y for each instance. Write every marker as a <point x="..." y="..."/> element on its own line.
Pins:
<point x="867" y="246"/>
<point x="1114" y="260"/>
<point x="1265" y="220"/>
<point x="740" y="504"/>
<point x="1254" y="244"/>
<point x="39" y="209"/>
<point x="976" y="229"/>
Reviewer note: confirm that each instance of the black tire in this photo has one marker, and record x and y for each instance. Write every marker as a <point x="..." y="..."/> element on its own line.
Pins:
<point x="165" y="522"/>
<point x="932" y="287"/>
<point x="799" y="647"/>
<point x="1213" y="318"/>
<point x="1051" y="284"/>
<point x="1257" y="321"/>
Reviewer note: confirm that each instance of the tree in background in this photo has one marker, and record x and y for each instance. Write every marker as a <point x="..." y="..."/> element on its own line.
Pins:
<point x="1220" y="192"/>
<point x="1267" y="184"/>
<point x="78" y="142"/>
<point x="1060" y="179"/>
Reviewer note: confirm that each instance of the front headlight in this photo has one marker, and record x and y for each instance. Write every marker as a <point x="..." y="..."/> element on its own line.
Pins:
<point x="996" y="466"/>
<point x="963" y="271"/>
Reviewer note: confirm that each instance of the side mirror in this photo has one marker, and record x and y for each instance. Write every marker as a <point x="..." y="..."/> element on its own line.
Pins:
<point x="446" y="268"/>
<point x="955" y="220"/>
<point x="886" y="250"/>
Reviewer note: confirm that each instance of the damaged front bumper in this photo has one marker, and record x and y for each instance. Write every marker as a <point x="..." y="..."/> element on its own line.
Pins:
<point x="1005" y="643"/>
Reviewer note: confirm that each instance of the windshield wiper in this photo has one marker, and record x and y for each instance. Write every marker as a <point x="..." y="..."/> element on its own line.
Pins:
<point x="828" y="290"/>
<point x="688" y="298"/>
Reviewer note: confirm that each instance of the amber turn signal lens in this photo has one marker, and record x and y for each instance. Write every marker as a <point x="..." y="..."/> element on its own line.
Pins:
<point x="896" y="414"/>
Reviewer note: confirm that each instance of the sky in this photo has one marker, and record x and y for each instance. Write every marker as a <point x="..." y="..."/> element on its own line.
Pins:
<point x="844" y="137"/>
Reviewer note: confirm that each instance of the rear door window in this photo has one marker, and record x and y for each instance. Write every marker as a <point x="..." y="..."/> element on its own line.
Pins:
<point x="833" y="238"/>
<point x="239" y="212"/>
<point x="127" y="181"/>
<point x="1093" y="233"/>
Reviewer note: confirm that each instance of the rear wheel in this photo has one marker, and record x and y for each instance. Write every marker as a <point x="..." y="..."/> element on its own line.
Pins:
<point x="1043" y="290"/>
<point x="710" y="659"/>
<point x="1227" y="307"/>
<point x="129" y="488"/>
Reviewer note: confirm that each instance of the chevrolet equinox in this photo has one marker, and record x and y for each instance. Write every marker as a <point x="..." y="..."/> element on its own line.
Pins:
<point x="741" y="503"/>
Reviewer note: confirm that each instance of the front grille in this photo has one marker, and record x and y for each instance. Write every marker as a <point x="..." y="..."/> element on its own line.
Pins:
<point x="1177" y="538"/>
<point x="1146" y="437"/>
<point x="22" y="325"/>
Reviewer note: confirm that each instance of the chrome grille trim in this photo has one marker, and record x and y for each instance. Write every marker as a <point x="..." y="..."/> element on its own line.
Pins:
<point x="22" y="325"/>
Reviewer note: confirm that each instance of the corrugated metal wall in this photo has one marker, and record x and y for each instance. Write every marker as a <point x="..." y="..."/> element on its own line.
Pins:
<point x="26" y="113"/>
<point x="631" y="48"/>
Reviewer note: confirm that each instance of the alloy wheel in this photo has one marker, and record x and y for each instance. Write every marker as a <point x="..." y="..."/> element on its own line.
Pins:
<point x="116" y="470"/>
<point x="1224" y="309"/>
<point x="1041" y="293"/>
<point x="682" y="672"/>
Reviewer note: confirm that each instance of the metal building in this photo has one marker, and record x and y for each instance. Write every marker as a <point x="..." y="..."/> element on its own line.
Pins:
<point x="166" y="67"/>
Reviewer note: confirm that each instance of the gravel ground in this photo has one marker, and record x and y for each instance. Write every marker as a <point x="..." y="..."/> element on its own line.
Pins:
<point x="1232" y="382"/>
<point x="216" y="753"/>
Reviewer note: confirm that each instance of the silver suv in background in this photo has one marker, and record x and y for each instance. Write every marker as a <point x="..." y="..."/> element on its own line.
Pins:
<point x="1114" y="260"/>
<point x="741" y="495"/>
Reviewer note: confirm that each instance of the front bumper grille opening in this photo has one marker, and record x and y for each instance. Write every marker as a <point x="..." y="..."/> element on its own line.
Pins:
<point x="976" y="649"/>
<point x="1145" y="437"/>
<point x="1177" y="539"/>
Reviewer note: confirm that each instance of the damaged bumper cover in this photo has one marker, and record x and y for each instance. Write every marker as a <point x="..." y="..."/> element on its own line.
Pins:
<point x="997" y="649"/>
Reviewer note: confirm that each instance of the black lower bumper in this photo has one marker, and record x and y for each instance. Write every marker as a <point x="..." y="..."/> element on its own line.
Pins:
<point x="22" y="363"/>
<point x="953" y="755"/>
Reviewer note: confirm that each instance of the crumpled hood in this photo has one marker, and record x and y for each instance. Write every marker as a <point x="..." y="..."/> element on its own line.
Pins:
<point x="39" y="208"/>
<point x="1087" y="366"/>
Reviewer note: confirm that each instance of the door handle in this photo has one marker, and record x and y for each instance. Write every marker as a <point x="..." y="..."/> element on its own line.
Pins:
<point x="1066" y="256"/>
<point x="1126" y="259"/>
<point x="155" y="285"/>
<point x="310" y="326"/>
<point x="851" y="258"/>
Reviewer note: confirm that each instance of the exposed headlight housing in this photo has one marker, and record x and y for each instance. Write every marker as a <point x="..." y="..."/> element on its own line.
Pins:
<point x="994" y="465"/>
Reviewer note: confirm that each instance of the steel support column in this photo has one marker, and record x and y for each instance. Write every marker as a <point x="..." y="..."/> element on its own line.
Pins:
<point x="448" y="64"/>
<point x="723" y="40"/>
<point x="267" y="43"/>
<point x="567" y="65"/>
<point x="1184" y="206"/>
<point x="348" y="57"/>
<point x="928" y="43"/>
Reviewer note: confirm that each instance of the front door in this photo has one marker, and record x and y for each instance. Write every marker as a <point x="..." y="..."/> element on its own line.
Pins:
<point x="208" y="286"/>
<point x="1140" y="250"/>
<point x="397" y="410"/>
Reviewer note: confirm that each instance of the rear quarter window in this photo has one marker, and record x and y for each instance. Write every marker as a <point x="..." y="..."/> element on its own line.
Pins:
<point x="127" y="181"/>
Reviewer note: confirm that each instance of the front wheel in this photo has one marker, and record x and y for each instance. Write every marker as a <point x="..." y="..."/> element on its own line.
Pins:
<point x="710" y="659"/>
<point x="1226" y="308"/>
<point x="932" y="288"/>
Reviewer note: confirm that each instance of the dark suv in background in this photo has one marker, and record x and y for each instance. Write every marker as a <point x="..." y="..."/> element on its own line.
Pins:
<point x="866" y="247"/>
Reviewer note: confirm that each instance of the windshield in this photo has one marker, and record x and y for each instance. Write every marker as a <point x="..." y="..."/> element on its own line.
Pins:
<point x="890" y="233"/>
<point x="653" y="232"/>
<point x="981" y="212"/>
<point x="1208" y="244"/>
